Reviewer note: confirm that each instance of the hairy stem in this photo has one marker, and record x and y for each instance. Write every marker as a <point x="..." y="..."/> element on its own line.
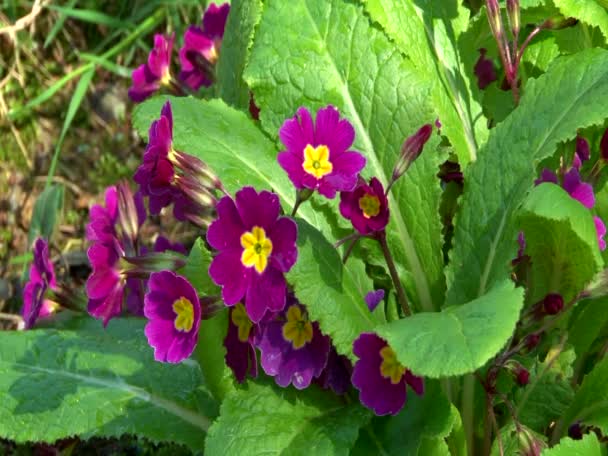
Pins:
<point x="401" y="296"/>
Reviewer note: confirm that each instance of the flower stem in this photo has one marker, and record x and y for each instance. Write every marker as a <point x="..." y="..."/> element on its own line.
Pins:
<point x="401" y="296"/>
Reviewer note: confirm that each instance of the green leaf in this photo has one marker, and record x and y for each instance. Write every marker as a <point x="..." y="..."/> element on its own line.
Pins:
<point x="414" y="430"/>
<point x="98" y="382"/>
<point x="565" y="98"/>
<point x="326" y="52"/>
<point x="588" y="446"/>
<point x="242" y="20"/>
<point x="459" y="339"/>
<point x="590" y="404"/>
<point x="334" y="294"/>
<point x="229" y="142"/>
<point x="561" y="240"/>
<point x="197" y="267"/>
<point x="47" y="209"/>
<point x="590" y="12"/>
<point x="264" y="419"/>
<point x="427" y="32"/>
<point x="587" y="324"/>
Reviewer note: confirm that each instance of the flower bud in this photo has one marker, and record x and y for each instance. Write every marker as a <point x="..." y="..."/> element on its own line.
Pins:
<point x="411" y="150"/>
<point x="513" y="13"/>
<point x="519" y="372"/>
<point x="604" y="146"/>
<point x="559" y="22"/>
<point x="553" y="304"/>
<point x="529" y="443"/>
<point x="494" y="19"/>
<point x="484" y="70"/>
<point x="532" y="341"/>
<point x="131" y="211"/>
<point x="575" y="431"/>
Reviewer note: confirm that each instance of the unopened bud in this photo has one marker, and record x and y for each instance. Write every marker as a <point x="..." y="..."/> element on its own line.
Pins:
<point x="195" y="191"/>
<point x="513" y="13"/>
<point x="559" y="22"/>
<point x="411" y="150"/>
<point x="495" y="19"/>
<point x="142" y="266"/>
<point x="604" y="146"/>
<point x="519" y="372"/>
<point x="484" y="70"/>
<point x="532" y="341"/>
<point x="575" y="431"/>
<point x="553" y="304"/>
<point x="529" y="443"/>
<point x="131" y="211"/>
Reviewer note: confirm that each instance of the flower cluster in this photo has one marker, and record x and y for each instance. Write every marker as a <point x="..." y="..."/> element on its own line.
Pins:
<point x="197" y="58"/>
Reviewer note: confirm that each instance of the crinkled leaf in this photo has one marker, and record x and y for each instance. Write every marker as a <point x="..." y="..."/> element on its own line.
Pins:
<point x="590" y="12"/>
<point x="567" y="97"/>
<point x="561" y="241"/>
<point x="229" y="142"/>
<point x="587" y="324"/>
<point x="590" y="404"/>
<point x="197" y="267"/>
<point x="459" y="339"/>
<point x="328" y="53"/>
<point x="427" y="32"/>
<point x="238" y="36"/>
<point x="588" y="446"/>
<point x="98" y="382"/>
<point x="333" y="293"/>
<point x="265" y="419"/>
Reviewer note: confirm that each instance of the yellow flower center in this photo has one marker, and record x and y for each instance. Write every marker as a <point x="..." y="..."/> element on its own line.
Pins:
<point x="257" y="248"/>
<point x="390" y="367"/>
<point x="297" y="330"/>
<point x="316" y="161"/>
<point x="242" y="322"/>
<point x="184" y="311"/>
<point x="370" y="205"/>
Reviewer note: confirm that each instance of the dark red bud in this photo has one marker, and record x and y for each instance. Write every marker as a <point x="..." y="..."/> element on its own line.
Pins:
<point x="532" y="341"/>
<point x="553" y="303"/>
<point x="254" y="110"/>
<point x="411" y="150"/>
<point x="484" y="70"/>
<point x="522" y="376"/>
<point x="582" y="148"/>
<point x="604" y="146"/>
<point x="575" y="431"/>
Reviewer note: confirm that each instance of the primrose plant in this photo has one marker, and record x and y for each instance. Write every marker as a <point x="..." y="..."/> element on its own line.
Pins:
<point x="398" y="246"/>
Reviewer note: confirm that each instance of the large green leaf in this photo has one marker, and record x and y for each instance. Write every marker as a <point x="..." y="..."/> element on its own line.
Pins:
<point x="264" y="419"/>
<point x="567" y="97"/>
<point x="244" y="16"/>
<point x="326" y="52"/>
<point x="590" y="12"/>
<point x="97" y="382"/>
<point x="588" y="446"/>
<point x="423" y="420"/>
<point x="561" y="240"/>
<point x="587" y="324"/>
<point x="459" y="339"/>
<point x="334" y="294"/>
<point x="229" y="142"/>
<point x="427" y="31"/>
<point x="590" y="403"/>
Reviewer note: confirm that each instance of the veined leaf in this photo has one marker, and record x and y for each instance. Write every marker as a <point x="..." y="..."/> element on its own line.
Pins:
<point x="98" y="382"/>
<point x="324" y="53"/>
<point x="244" y="16"/>
<point x="588" y="446"/>
<point x="427" y="32"/>
<point x="264" y="419"/>
<point x="459" y="339"/>
<point x="586" y="325"/>
<point x="333" y="293"/>
<point x="197" y="267"/>
<point x="591" y="12"/>
<point x="561" y="240"/>
<point x="565" y="98"/>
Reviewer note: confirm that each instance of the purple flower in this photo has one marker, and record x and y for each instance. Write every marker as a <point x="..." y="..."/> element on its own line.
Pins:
<point x="581" y="153"/>
<point x="202" y="47"/>
<point x="366" y="206"/>
<point x="579" y="190"/>
<point x="601" y="232"/>
<point x="167" y="176"/>
<point x="410" y="150"/>
<point x="317" y="156"/>
<point x="373" y="298"/>
<point x="150" y="76"/>
<point x="42" y="277"/>
<point x="174" y="311"/>
<point x="240" y="352"/>
<point x="113" y="231"/>
<point x="484" y="70"/>
<point x="379" y="377"/>
<point x="293" y="350"/>
<point x="256" y="247"/>
<point x="337" y="373"/>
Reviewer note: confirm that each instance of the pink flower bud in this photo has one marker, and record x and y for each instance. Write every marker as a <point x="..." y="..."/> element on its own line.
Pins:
<point x="411" y="150"/>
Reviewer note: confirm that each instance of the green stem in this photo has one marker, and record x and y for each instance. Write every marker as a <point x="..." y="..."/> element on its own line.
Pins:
<point x="468" y="411"/>
<point x="401" y="296"/>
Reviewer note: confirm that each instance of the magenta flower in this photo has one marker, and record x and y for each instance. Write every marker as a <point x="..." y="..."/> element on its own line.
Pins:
<point x="373" y="298"/>
<point x="293" y="350"/>
<point x="174" y="311"/>
<point x="167" y="176"/>
<point x="240" y="351"/>
<point x="150" y="76"/>
<point x="582" y="153"/>
<point x="410" y="150"/>
<point x="366" y="206"/>
<point x="317" y="156"/>
<point x="600" y="228"/>
<point x="42" y="277"/>
<point x="337" y="373"/>
<point x="202" y="47"/>
<point x="256" y="247"/>
<point x="379" y="377"/>
<point x="484" y="70"/>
